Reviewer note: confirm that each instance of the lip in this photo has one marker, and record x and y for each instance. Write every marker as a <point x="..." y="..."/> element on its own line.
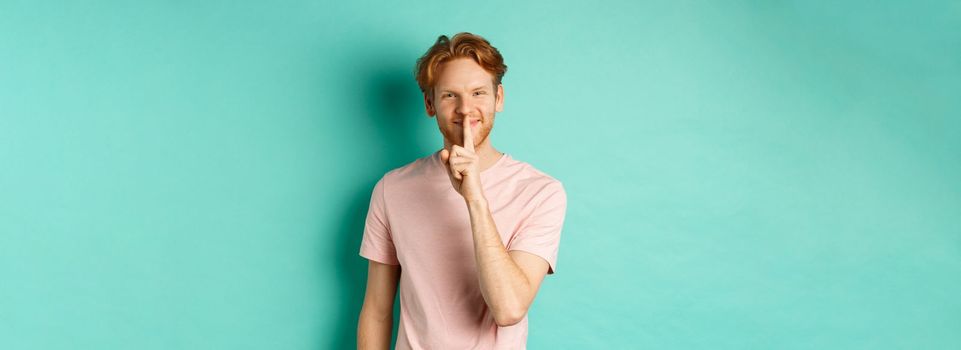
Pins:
<point x="472" y="122"/>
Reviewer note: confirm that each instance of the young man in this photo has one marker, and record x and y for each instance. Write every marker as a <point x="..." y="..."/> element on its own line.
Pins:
<point x="468" y="231"/>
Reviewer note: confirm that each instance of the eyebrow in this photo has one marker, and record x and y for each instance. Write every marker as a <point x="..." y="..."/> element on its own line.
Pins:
<point x="477" y="87"/>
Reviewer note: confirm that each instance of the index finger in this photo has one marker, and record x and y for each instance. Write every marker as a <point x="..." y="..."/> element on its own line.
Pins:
<point x="468" y="135"/>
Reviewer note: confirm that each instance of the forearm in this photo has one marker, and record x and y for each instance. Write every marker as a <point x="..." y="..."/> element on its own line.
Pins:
<point x="373" y="331"/>
<point x="503" y="284"/>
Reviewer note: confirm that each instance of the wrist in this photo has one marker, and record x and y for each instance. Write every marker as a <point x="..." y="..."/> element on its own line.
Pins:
<point x="476" y="200"/>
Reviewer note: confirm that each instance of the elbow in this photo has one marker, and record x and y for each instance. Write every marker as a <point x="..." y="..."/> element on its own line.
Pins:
<point x="509" y="318"/>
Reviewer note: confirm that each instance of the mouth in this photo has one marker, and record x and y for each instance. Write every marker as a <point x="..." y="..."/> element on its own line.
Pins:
<point x="473" y="122"/>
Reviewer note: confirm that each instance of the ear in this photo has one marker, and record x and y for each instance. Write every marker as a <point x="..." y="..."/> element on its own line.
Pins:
<point x="429" y="105"/>
<point x="499" y="103"/>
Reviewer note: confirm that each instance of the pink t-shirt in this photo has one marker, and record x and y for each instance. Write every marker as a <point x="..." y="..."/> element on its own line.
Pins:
<point x="417" y="220"/>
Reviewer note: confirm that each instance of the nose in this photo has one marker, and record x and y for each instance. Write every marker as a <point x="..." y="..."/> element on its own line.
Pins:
<point x="464" y="107"/>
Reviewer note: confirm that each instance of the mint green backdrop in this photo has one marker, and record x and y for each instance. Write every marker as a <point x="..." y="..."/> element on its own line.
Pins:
<point x="752" y="175"/>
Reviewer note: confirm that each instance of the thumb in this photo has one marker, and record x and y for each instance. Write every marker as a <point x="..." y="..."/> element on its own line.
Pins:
<point x="444" y="155"/>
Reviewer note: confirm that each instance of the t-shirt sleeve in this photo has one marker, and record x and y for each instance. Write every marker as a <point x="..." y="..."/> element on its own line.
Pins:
<point x="540" y="233"/>
<point x="377" y="244"/>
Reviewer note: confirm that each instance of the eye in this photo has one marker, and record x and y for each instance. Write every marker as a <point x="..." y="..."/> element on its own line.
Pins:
<point x="479" y="93"/>
<point x="448" y="95"/>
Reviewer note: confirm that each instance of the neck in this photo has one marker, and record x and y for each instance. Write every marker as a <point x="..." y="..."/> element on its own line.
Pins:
<point x="487" y="153"/>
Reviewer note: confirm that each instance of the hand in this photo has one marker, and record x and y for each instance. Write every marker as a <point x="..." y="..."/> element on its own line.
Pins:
<point x="463" y="165"/>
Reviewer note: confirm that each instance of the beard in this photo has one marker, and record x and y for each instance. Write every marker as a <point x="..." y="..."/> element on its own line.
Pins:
<point x="455" y="135"/>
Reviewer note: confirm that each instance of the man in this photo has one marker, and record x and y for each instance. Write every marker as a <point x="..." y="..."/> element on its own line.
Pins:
<point x="469" y="232"/>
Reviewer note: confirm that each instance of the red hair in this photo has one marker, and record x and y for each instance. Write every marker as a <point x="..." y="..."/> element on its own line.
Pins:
<point x="462" y="45"/>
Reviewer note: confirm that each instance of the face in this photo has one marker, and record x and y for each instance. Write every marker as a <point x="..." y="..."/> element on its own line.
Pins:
<point x="464" y="90"/>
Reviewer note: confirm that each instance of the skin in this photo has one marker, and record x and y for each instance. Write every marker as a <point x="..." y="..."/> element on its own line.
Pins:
<point x="509" y="280"/>
<point x="464" y="90"/>
<point x="377" y="314"/>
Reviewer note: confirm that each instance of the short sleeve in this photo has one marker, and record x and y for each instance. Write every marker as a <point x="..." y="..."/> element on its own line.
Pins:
<point x="377" y="244"/>
<point x="540" y="233"/>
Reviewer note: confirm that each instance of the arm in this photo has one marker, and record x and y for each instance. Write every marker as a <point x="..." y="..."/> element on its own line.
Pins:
<point x="377" y="314"/>
<point x="508" y="280"/>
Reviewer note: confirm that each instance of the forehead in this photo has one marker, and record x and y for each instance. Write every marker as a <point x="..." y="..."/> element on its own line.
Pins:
<point x="462" y="73"/>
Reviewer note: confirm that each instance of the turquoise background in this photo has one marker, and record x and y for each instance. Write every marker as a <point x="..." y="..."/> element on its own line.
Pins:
<point x="740" y="175"/>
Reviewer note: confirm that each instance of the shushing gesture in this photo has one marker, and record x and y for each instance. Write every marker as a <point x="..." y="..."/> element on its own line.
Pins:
<point x="463" y="165"/>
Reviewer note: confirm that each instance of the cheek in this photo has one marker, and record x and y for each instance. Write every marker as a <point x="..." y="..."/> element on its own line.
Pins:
<point x="488" y="108"/>
<point x="445" y="107"/>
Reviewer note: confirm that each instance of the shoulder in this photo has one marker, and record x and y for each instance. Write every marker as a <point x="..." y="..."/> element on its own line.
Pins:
<point x="410" y="173"/>
<point x="533" y="179"/>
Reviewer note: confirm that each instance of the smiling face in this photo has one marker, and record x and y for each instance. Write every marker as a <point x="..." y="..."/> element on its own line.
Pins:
<point x="464" y="91"/>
